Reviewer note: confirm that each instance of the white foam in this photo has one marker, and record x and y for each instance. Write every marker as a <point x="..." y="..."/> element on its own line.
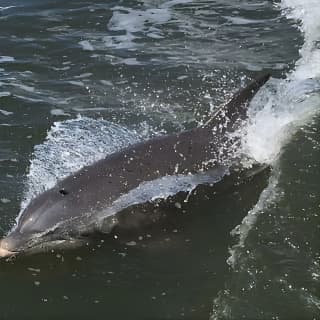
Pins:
<point x="307" y="13"/>
<point x="280" y="108"/>
<point x="275" y="114"/>
<point x="6" y="113"/>
<point x="5" y="200"/>
<point x="127" y="25"/>
<point x="69" y="146"/>
<point x="5" y="94"/>
<point x="77" y="83"/>
<point x="7" y="8"/>
<point x="107" y="82"/>
<point x="154" y="35"/>
<point x="166" y="186"/>
<point x="84" y="109"/>
<point x="59" y="112"/>
<point x="132" y="62"/>
<point x="125" y="41"/>
<point x="28" y="98"/>
<point x="266" y="199"/>
<point x="172" y="3"/>
<point x="243" y="21"/>
<point x="84" y="75"/>
<point x="161" y="188"/>
<point x="131" y="20"/>
<point x="6" y="59"/>
<point x="134" y="21"/>
<point x="86" y="45"/>
<point x="23" y="87"/>
<point x="60" y="69"/>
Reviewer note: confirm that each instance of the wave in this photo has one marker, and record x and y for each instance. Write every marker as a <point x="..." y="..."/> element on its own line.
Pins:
<point x="276" y="114"/>
<point x="281" y="107"/>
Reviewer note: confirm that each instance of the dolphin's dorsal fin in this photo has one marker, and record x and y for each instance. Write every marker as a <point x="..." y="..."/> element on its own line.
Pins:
<point x="236" y="108"/>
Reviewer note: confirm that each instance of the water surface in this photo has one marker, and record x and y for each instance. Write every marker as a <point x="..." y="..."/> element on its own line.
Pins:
<point x="79" y="79"/>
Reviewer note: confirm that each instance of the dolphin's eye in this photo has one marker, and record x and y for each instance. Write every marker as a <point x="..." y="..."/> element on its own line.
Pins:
<point x="63" y="192"/>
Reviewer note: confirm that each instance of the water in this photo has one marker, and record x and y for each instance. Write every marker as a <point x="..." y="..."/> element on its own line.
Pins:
<point x="80" y="79"/>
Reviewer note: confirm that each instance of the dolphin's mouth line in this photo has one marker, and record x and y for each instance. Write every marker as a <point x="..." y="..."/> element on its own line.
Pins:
<point x="49" y="239"/>
<point x="4" y="253"/>
<point x="38" y="244"/>
<point x="34" y="246"/>
<point x="40" y="247"/>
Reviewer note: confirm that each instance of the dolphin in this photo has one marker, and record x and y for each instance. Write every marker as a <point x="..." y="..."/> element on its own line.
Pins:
<point x="91" y="199"/>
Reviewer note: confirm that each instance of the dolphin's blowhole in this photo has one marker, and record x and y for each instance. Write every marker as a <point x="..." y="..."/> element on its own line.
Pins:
<point x="63" y="192"/>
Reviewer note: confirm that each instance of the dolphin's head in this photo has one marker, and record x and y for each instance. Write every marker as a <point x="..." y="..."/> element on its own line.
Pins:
<point x="17" y="243"/>
<point x="49" y="221"/>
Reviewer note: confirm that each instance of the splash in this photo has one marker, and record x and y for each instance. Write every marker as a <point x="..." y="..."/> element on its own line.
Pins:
<point x="6" y="59"/>
<point x="279" y="110"/>
<point x="71" y="145"/>
<point x="276" y="114"/>
<point x="307" y="14"/>
<point x="283" y="106"/>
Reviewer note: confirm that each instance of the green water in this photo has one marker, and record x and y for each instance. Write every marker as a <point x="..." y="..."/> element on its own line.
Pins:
<point x="158" y="71"/>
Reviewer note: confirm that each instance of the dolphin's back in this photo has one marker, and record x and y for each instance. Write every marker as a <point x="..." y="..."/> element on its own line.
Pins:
<point x="236" y="108"/>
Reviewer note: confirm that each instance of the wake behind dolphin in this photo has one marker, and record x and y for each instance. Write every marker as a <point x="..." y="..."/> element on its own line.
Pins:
<point x="90" y="199"/>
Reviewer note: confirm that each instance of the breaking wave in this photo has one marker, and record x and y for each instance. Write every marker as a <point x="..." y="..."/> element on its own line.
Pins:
<point x="277" y="113"/>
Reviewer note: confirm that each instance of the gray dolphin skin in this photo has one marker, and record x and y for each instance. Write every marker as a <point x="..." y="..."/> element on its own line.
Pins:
<point x="90" y="199"/>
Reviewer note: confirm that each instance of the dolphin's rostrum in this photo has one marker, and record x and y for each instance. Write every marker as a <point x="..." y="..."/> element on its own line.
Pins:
<point x="90" y="199"/>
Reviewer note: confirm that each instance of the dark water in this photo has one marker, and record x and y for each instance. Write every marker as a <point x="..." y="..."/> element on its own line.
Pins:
<point x="154" y="67"/>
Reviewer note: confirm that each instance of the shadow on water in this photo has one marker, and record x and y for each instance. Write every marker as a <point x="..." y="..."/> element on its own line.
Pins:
<point x="139" y="273"/>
